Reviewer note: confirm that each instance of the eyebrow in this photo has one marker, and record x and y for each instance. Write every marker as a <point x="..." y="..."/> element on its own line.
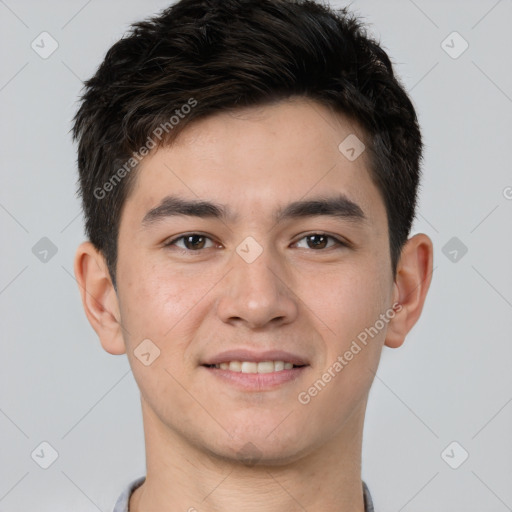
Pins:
<point x="339" y="207"/>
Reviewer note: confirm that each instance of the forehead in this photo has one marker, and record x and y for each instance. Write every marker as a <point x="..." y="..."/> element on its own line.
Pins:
<point x="260" y="157"/>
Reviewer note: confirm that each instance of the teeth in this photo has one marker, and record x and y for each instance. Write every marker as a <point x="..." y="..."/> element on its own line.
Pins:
<point x="278" y="366"/>
<point x="248" y="367"/>
<point x="234" y="366"/>
<point x="263" y="367"/>
<point x="252" y="367"/>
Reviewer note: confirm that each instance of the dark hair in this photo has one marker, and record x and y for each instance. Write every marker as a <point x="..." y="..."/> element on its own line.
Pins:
<point x="199" y="57"/>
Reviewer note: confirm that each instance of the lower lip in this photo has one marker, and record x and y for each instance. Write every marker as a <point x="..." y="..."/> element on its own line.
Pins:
<point x="257" y="381"/>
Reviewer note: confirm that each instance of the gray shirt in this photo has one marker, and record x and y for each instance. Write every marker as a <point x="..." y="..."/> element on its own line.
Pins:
<point x="123" y="500"/>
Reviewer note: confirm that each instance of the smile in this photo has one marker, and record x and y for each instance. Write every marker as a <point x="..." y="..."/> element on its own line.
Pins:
<point x="253" y="367"/>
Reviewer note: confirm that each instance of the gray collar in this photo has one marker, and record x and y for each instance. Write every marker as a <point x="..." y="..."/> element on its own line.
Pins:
<point x="123" y="500"/>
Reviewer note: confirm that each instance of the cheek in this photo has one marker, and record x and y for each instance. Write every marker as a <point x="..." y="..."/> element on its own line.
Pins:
<point x="162" y="302"/>
<point x="145" y="300"/>
<point x="352" y="306"/>
<point x="347" y="301"/>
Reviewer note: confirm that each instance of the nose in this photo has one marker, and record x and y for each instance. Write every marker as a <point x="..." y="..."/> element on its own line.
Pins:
<point x="258" y="293"/>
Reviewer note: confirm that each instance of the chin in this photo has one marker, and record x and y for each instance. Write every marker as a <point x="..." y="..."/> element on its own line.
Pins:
<point x="251" y="455"/>
<point x="257" y="446"/>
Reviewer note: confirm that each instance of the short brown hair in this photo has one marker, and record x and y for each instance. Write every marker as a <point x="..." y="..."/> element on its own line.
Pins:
<point x="217" y="55"/>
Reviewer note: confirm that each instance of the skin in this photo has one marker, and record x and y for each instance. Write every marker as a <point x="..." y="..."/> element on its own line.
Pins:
<point x="294" y="296"/>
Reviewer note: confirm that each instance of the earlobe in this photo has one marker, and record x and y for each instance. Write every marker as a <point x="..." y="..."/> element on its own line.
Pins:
<point x="99" y="298"/>
<point x="413" y="277"/>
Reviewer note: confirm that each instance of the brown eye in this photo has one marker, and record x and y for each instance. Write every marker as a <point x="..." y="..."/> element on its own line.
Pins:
<point x="318" y="241"/>
<point x="193" y="242"/>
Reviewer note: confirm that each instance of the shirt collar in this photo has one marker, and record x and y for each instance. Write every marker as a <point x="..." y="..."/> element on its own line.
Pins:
<point x="123" y="500"/>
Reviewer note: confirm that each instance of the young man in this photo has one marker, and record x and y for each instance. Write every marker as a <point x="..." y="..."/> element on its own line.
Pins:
<point x="249" y="172"/>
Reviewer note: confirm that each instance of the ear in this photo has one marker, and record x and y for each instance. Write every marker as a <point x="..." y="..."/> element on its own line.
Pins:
<point x="99" y="297"/>
<point x="413" y="277"/>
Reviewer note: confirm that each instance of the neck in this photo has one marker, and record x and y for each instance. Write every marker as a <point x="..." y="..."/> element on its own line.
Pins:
<point x="185" y="476"/>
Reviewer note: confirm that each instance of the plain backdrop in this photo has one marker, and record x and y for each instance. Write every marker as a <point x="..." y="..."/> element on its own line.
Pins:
<point x="446" y="392"/>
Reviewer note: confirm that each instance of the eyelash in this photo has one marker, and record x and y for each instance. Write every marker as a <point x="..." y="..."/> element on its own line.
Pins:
<point x="338" y="243"/>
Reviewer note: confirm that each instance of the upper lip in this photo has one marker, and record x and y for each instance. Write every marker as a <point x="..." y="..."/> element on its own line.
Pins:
<point x="256" y="357"/>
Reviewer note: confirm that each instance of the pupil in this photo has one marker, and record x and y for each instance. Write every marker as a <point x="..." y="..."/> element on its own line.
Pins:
<point x="317" y="244"/>
<point x="192" y="237"/>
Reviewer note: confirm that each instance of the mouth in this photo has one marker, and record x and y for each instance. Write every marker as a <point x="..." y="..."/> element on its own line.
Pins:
<point x="250" y="371"/>
<point x="255" y="367"/>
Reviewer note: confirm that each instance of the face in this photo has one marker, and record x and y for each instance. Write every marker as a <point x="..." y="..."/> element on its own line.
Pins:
<point x="264" y="281"/>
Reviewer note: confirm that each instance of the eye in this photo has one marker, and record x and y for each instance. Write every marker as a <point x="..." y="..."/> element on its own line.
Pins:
<point x="195" y="242"/>
<point x="191" y="242"/>
<point x="320" y="241"/>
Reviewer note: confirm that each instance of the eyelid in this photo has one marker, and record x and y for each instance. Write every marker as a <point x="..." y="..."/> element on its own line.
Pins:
<point x="172" y="241"/>
<point x="339" y="241"/>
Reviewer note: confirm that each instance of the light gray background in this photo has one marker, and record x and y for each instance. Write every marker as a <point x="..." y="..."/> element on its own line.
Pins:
<point x="451" y="381"/>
